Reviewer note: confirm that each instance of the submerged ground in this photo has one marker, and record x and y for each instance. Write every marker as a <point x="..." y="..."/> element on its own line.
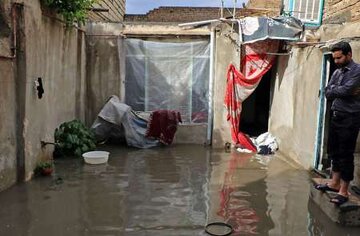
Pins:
<point x="168" y="191"/>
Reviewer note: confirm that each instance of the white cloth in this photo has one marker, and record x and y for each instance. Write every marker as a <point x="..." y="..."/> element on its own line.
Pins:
<point x="266" y="139"/>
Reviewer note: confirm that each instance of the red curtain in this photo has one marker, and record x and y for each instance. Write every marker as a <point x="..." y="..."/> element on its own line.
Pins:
<point x="257" y="60"/>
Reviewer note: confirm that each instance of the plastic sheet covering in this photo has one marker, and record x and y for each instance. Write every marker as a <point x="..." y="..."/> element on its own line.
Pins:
<point x="116" y="119"/>
<point x="168" y="76"/>
<point x="261" y="28"/>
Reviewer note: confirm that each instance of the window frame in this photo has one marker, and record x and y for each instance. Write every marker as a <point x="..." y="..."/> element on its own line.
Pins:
<point x="292" y="12"/>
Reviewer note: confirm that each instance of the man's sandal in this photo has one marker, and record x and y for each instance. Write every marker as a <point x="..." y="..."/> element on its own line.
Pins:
<point x="339" y="199"/>
<point x="325" y="188"/>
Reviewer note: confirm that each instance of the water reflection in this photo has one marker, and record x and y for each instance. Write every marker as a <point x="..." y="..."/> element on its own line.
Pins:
<point x="243" y="195"/>
<point x="167" y="191"/>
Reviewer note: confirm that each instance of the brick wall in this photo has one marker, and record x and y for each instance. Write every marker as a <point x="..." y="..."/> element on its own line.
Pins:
<point x="115" y="13"/>
<point x="268" y="4"/>
<point x="189" y="14"/>
<point x="340" y="11"/>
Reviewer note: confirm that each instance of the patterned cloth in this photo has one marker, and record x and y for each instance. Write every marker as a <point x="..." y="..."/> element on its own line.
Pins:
<point x="240" y="85"/>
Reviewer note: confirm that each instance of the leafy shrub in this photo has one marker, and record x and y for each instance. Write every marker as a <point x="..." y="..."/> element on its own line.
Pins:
<point x="73" y="138"/>
<point x="71" y="10"/>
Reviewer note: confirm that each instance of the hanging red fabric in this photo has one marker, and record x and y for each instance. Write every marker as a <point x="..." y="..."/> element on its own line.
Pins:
<point x="234" y="106"/>
<point x="255" y="64"/>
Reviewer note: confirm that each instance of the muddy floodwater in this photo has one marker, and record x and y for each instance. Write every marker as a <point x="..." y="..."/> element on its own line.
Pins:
<point x="168" y="191"/>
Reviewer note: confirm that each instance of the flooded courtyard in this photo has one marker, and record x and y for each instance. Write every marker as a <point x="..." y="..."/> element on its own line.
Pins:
<point x="168" y="191"/>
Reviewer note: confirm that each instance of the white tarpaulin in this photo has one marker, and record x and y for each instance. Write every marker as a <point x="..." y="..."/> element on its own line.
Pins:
<point x="117" y="119"/>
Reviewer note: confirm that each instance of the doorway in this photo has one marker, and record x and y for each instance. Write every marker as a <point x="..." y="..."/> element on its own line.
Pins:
<point x="321" y="161"/>
<point x="255" y="109"/>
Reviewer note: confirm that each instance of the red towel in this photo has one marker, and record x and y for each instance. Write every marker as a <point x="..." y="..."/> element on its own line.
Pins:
<point x="163" y="125"/>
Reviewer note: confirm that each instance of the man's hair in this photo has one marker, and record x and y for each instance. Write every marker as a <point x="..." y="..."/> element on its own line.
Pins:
<point x="341" y="46"/>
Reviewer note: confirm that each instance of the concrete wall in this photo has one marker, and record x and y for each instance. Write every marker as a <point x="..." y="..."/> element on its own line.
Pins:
<point x="103" y="66"/>
<point x="225" y="54"/>
<point x="293" y="113"/>
<point x="346" y="31"/>
<point x="294" y="108"/>
<point x="48" y="50"/>
<point x="7" y="122"/>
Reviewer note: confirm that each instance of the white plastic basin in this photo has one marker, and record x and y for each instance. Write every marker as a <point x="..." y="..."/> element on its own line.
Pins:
<point x="96" y="157"/>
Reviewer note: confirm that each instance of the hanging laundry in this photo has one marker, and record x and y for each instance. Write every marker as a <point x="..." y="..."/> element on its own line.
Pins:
<point x="163" y="125"/>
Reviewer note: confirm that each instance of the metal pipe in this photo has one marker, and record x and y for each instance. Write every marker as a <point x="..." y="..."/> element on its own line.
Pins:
<point x="196" y="23"/>
<point x="222" y="9"/>
<point x="234" y="10"/>
<point x="211" y="84"/>
<point x="240" y="31"/>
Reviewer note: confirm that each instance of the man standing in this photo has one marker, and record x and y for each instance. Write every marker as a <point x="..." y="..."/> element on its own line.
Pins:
<point x="343" y="91"/>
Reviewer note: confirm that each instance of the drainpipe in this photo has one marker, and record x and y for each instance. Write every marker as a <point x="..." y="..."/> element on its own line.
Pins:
<point x="240" y="32"/>
<point x="234" y="10"/>
<point x="211" y="84"/>
<point x="211" y="79"/>
<point x="222" y="9"/>
<point x="13" y="21"/>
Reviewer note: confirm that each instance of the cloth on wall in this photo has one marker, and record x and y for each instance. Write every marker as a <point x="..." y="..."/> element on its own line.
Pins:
<point x="240" y="85"/>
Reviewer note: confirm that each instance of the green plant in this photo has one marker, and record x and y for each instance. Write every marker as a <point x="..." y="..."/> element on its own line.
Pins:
<point x="71" y="10"/>
<point x="43" y="168"/>
<point x="73" y="138"/>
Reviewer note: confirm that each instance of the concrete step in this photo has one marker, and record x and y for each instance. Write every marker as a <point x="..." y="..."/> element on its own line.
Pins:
<point x="347" y="214"/>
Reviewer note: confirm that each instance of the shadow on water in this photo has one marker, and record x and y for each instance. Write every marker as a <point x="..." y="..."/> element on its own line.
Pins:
<point x="167" y="191"/>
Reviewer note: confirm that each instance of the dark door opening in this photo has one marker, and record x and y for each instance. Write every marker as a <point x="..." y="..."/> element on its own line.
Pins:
<point x="255" y="109"/>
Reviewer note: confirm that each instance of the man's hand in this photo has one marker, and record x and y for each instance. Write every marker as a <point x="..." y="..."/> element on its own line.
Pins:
<point x="356" y="91"/>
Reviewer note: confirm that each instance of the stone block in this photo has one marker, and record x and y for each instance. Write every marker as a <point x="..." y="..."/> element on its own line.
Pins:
<point x="348" y="214"/>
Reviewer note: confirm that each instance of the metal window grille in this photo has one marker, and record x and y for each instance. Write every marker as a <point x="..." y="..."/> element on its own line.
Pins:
<point x="309" y="11"/>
